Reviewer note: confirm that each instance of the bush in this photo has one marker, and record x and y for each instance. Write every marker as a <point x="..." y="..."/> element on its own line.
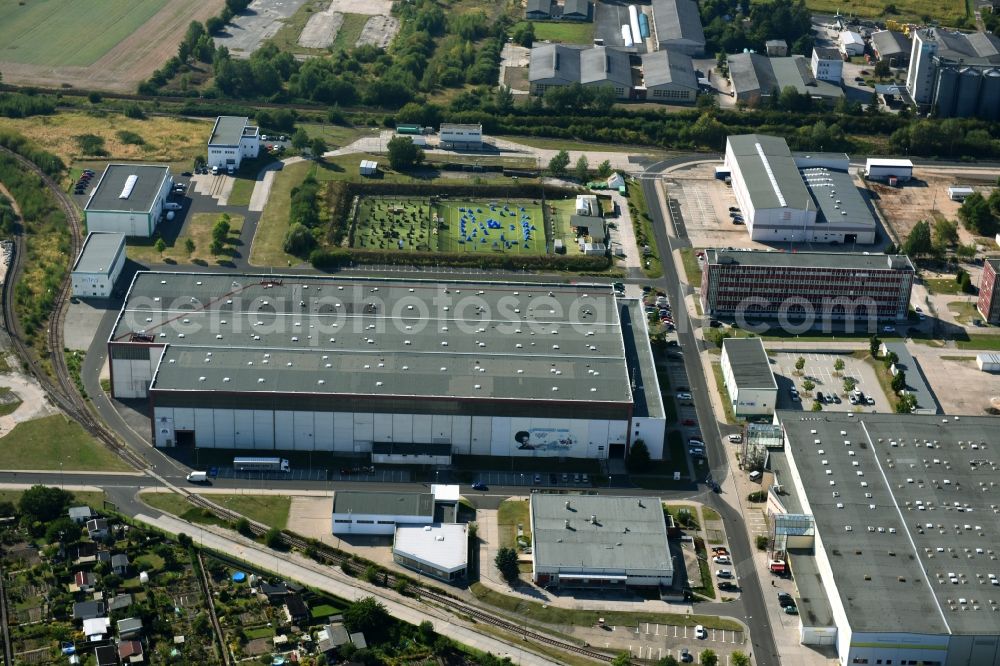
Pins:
<point x="131" y="138"/>
<point x="91" y="144"/>
<point x="757" y="496"/>
<point x="273" y="539"/>
<point x="761" y="541"/>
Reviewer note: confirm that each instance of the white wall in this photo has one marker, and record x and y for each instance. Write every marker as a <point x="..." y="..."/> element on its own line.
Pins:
<point x="386" y="526"/>
<point x="651" y="431"/>
<point x="98" y="285"/>
<point x="463" y="135"/>
<point x="131" y="378"/>
<point x="135" y="223"/>
<point x="346" y="432"/>
<point x="900" y="647"/>
<point x="223" y="157"/>
<point x="250" y="146"/>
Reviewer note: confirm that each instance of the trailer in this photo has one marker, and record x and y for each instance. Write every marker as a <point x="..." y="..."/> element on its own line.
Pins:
<point x="884" y="169"/>
<point x="643" y="26"/>
<point x="260" y="464"/>
<point x="633" y="22"/>
<point x="409" y="129"/>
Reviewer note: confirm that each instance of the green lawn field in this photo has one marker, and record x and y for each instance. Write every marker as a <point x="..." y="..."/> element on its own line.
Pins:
<point x="568" y="32"/>
<point x="56" y="33"/>
<point x="416" y="224"/>
<point x="915" y="10"/>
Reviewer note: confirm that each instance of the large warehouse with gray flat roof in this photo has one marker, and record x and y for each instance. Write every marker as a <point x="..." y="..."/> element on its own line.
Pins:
<point x="598" y="541"/>
<point x="904" y="516"/>
<point x="265" y="362"/>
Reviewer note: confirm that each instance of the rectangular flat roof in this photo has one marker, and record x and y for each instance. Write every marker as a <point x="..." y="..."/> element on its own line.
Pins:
<point x="837" y="198"/>
<point x="749" y="362"/>
<point x="629" y="533"/>
<point x="361" y="336"/>
<point x="383" y="503"/>
<point x="887" y="161"/>
<point x="918" y="492"/>
<point x="443" y="546"/>
<point x="117" y="191"/>
<point x="915" y="381"/>
<point x="99" y="253"/>
<point x="829" y="260"/>
<point x="768" y="169"/>
<point x="228" y="130"/>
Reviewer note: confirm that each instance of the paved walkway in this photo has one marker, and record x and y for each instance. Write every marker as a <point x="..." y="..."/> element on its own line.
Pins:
<point x="303" y="570"/>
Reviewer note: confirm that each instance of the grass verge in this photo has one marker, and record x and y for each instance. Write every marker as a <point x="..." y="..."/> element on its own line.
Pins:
<point x="55" y="442"/>
<point x="272" y="510"/>
<point x="691" y="267"/>
<point x="198" y="230"/>
<point x="9" y="401"/>
<point x="567" y="32"/>
<point x="175" y="504"/>
<point x="509" y="515"/>
<point x="943" y="286"/>
<point x="723" y="395"/>
<point x="268" y="243"/>
<point x="644" y="236"/>
<point x="94" y="500"/>
<point x="708" y="513"/>
<point x="707" y="587"/>
<point x="586" y="618"/>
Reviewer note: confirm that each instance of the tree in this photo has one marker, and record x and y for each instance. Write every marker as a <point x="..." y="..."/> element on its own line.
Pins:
<point x="504" y="99"/>
<point x="945" y="235"/>
<point x="44" y="503"/>
<point x="582" y="168"/>
<point x="426" y="632"/>
<point x="967" y="286"/>
<point x="604" y="169"/>
<point x="367" y="615"/>
<point x="404" y="154"/>
<point x="623" y="659"/>
<point x="506" y="563"/>
<point x="850" y="383"/>
<point x="243" y="527"/>
<point x="189" y="245"/>
<point x="299" y="241"/>
<point x="524" y="34"/>
<point x="890" y="359"/>
<point x="221" y="229"/>
<point x="318" y="147"/>
<point x="638" y="456"/>
<point x="739" y="659"/>
<point x="709" y="658"/>
<point x="300" y="140"/>
<point x="899" y="381"/>
<point x="882" y="69"/>
<point x="761" y="541"/>
<point x="669" y="660"/>
<point x="976" y="215"/>
<point x="799" y="364"/>
<point x="918" y="242"/>
<point x="966" y="252"/>
<point x="272" y="538"/>
<point x="558" y="163"/>
<point x="838" y="366"/>
<point x="160" y="245"/>
<point x="62" y="530"/>
<point x="817" y="406"/>
<point x="808" y="385"/>
<point x="906" y="404"/>
<point x="873" y="344"/>
<point x="215" y="248"/>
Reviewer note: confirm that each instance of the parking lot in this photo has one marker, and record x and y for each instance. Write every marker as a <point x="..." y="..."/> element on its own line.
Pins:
<point x="656" y="641"/>
<point x="703" y="203"/>
<point x="819" y="369"/>
<point x="538" y="479"/>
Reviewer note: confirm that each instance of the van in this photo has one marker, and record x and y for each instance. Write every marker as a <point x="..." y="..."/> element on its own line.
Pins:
<point x="736" y="438"/>
<point x="215" y="170"/>
<point x="197" y="477"/>
<point x="755" y="476"/>
<point x="683" y="396"/>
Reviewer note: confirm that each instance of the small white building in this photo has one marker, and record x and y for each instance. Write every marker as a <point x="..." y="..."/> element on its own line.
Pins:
<point x="461" y="137"/>
<point x="885" y="168"/>
<point x="233" y="139"/>
<point x="100" y="263"/>
<point x="988" y="362"/>
<point x="129" y="199"/>
<point x="369" y="167"/>
<point x="439" y="551"/>
<point x="851" y="43"/>
<point x="960" y="193"/>
<point x="746" y="372"/>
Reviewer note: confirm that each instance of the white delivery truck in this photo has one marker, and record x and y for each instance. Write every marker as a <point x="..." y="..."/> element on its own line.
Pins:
<point x="197" y="477"/>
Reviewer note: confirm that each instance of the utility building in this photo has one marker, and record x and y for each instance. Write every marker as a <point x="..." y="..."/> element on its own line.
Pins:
<point x="271" y="362"/>
<point x="954" y="74"/>
<point x="233" y="139"/>
<point x="128" y="199"/>
<point x="677" y="26"/>
<point x="462" y="137"/>
<point x="100" y="263"/>
<point x="746" y="372"/>
<point x="599" y="541"/>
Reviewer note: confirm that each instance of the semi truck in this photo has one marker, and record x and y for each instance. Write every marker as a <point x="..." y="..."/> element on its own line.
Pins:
<point x="260" y="464"/>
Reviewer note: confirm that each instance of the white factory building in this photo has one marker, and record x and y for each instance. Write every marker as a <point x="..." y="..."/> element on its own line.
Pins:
<point x="129" y="199"/>
<point x="233" y="138"/>
<point x="749" y="381"/>
<point x="377" y="512"/>
<point x="461" y="137"/>
<point x="101" y="261"/>
<point x="796" y="197"/>
<point x="402" y="371"/>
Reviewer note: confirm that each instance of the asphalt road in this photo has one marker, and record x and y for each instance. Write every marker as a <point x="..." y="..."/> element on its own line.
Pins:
<point x="751" y="603"/>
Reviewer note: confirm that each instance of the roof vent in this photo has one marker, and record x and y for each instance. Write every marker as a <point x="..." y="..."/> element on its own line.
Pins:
<point x="129" y="186"/>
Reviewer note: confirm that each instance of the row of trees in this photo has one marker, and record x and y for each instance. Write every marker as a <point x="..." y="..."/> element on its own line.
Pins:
<point x="981" y="215"/>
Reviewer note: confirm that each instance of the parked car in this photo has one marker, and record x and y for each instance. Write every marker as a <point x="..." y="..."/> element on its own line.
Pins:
<point x="724" y="573"/>
<point x="700" y="633"/>
<point x="869" y="400"/>
<point x="686" y="656"/>
<point x="819" y="396"/>
<point x="720" y="550"/>
<point x="565" y="478"/>
<point x="734" y="209"/>
<point x="736" y="438"/>
<point x="576" y="478"/>
<point x="727" y="585"/>
<point x="694" y="441"/>
<point x="186" y="174"/>
<point x="888" y="328"/>
<point x="479" y="485"/>
<point x="722" y="559"/>
<point x="785" y="599"/>
<point x="170" y="205"/>
<point x="538" y="479"/>
<point x="682" y="395"/>
<point x="835" y="398"/>
<point x="791" y="610"/>
<point x="796" y="398"/>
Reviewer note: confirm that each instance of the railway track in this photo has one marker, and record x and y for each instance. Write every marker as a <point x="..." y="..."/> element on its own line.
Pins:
<point x="8" y="645"/>
<point x="61" y="389"/>
<point x="443" y="600"/>
<point x="206" y="587"/>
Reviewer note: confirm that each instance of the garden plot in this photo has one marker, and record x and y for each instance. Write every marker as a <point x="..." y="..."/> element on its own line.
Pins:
<point x="321" y="29"/>
<point x="379" y="31"/>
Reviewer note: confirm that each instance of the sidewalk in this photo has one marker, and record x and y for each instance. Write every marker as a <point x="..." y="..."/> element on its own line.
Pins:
<point x="299" y="568"/>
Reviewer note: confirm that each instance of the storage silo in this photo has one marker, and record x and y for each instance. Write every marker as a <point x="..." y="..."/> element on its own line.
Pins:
<point x="944" y="95"/>
<point x="989" y="95"/>
<point x="967" y="100"/>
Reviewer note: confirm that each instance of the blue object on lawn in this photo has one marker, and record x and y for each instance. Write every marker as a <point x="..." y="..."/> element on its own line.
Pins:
<point x="239" y="577"/>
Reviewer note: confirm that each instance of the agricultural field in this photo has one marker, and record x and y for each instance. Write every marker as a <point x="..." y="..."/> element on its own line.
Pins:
<point x="948" y="12"/>
<point x="163" y="139"/>
<point x="101" y="44"/>
<point x="516" y="227"/>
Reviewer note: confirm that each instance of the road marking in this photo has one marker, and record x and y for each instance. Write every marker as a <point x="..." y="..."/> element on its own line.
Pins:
<point x="675" y="631"/>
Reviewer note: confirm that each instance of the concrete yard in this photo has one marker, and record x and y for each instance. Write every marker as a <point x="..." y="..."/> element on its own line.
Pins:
<point x="379" y="31"/>
<point x="369" y="7"/>
<point x="321" y="29"/>
<point x="959" y="386"/>
<point x="704" y="204"/>
<point x="248" y="30"/>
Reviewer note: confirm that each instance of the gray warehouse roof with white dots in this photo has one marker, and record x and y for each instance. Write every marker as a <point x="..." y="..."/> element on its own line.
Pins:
<point x="426" y="339"/>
